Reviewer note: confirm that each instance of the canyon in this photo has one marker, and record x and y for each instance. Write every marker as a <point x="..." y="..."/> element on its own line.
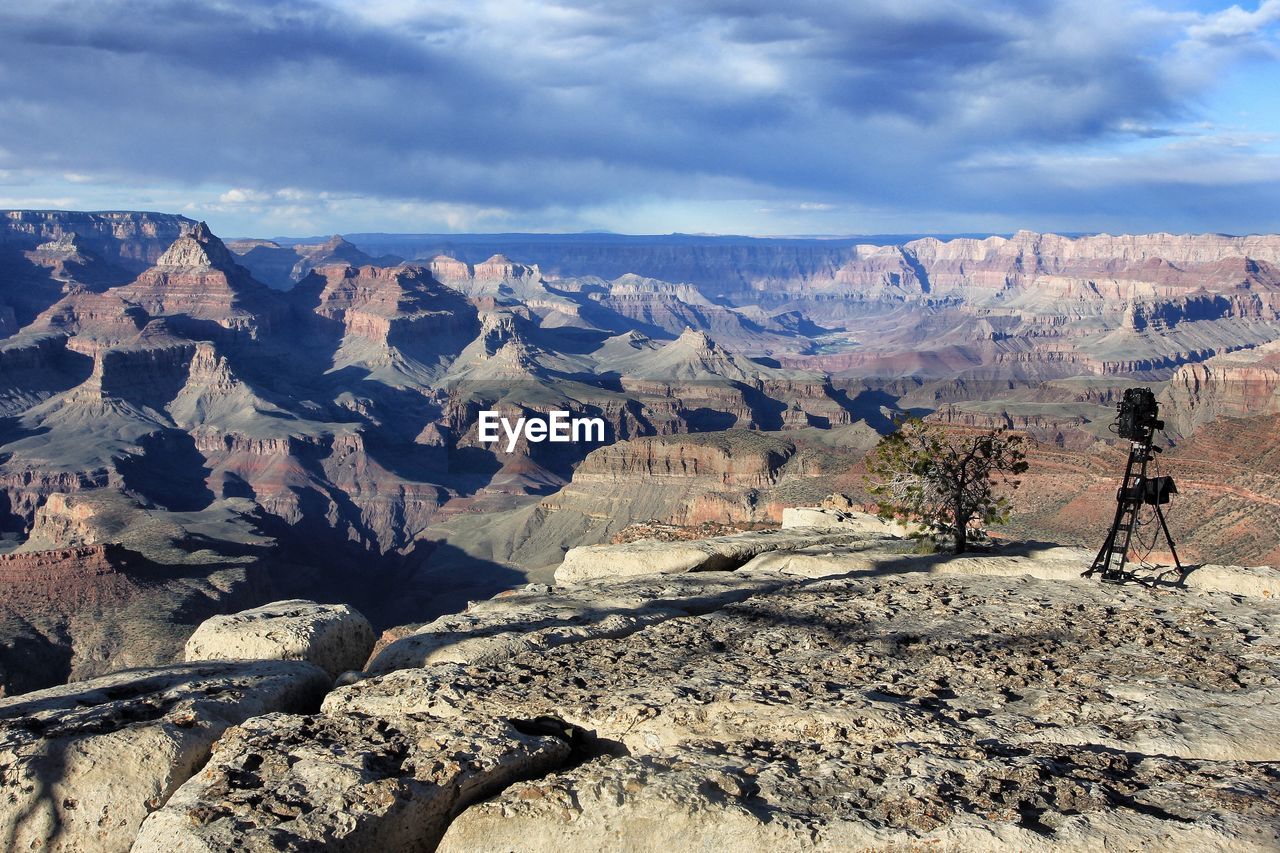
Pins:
<point x="190" y="426"/>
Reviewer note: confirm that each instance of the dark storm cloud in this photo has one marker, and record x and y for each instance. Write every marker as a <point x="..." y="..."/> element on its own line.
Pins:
<point x="527" y="106"/>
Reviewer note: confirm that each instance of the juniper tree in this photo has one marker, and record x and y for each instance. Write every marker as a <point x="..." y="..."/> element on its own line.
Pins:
<point x="943" y="480"/>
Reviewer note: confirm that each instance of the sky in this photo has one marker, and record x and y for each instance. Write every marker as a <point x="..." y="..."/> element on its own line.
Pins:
<point x="813" y="117"/>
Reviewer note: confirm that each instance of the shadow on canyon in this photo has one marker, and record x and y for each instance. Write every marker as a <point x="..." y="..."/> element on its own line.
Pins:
<point x="390" y="589"/>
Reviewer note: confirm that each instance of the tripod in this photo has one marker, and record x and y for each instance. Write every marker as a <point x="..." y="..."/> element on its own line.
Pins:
<point x="1135" y="490"/>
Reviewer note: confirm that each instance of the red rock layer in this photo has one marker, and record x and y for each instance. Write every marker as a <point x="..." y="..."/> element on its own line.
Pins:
<point x="66" y="578"/>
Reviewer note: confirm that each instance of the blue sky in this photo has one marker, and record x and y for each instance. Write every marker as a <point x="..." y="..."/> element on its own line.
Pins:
<point x="724" y="116"/>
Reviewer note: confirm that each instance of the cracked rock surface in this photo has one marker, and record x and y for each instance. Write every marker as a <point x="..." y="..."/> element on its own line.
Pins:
<point x="540" y="617"/>
<point x="839" y="696"/>
<point x="648" y="556"/>
<point x="82" y="765"/>
<point x="909" y="710"/>
<point x="344" y="782"/>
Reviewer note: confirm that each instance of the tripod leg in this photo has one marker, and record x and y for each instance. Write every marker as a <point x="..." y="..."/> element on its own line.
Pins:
<point x="1168" y="538"/>
<point x="1102" y="562"/>
<point x="1118" y="574"/>
<point x="1134" y="503"/>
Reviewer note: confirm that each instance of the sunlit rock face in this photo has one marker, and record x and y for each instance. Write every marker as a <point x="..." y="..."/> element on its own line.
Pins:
<point x="825" y="695"/>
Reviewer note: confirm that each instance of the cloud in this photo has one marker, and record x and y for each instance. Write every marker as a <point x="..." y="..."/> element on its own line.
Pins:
<point x="293" y="211"/>
<point x="521" y="113"/>
<point x="34" y="202"/>
<point x="1236" y="23"/>
<point x="238" y="195"/>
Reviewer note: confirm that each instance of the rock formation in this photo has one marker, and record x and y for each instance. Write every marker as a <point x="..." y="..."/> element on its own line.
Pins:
<point x="399" y="782"/>
<point x="649" y="557"/>
<point x="823" y="696"/>
<point x="1238" y="385"/>
<point x="332" y="636"/>
<point x="282" y="267"/>
<point x="540" y="617"/>
<point x="85" y="763"/>
<point x="755" y="739"/>
<point x="197" y="280"/>
<point x="398" y="323"/>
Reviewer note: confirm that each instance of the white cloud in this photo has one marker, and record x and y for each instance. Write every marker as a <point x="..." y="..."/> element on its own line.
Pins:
<point x="37" y="202"/>
<point x="1235" y="22"/>
<point x="242" y="195"/>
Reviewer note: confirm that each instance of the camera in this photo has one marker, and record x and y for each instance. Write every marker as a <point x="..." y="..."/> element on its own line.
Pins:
<point x="1138" y="415"/>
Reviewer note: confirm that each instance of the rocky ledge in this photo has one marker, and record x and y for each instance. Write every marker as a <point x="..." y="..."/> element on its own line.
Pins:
<point x="82" y="765"/>
<point x="332" y="636"/>
<point x="842" y="693"/>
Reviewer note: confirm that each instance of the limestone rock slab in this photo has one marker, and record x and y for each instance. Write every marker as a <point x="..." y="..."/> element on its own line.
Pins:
<point x="721" y="553"/>
<point x="887" y="557"/>
<point x="334" y="637"/>
<point x="830" y="518"/>
<point x="344" y="783"/>
<point x="1055" y="563"/>
<point x="1252" y="581"/>
<point x="830" y="797"/>
<point x="869" y="556"/>
<point x="540" y="617"/>
<point x="916" y="710"/>
<point x="82" y="765"/>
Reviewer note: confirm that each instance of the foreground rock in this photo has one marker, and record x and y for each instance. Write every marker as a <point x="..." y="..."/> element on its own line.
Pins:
<point x="846" y="695"/>
<point x="832" y="519"/>
<point x="878" y="557"/>
<point x="1252" y="581"/>
<point x="81" y="766"/>
<point x="914" y="710"/>
<point x="913" y="797"/>
<point x="647" y="557"/>
<point x="540" y="617"/>
<point x="334" y="637"/>
<point x="344" y="782"/>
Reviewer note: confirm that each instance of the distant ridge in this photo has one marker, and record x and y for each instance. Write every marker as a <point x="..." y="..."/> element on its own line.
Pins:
<point x="699" y="259"/>
<point x="722" y="263"/>
<point x="374" y="240"/>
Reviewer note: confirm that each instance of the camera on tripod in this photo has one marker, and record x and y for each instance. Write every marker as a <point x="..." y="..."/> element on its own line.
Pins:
<point x="1138" y="420"/>
<point x="1138" y="415"/>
